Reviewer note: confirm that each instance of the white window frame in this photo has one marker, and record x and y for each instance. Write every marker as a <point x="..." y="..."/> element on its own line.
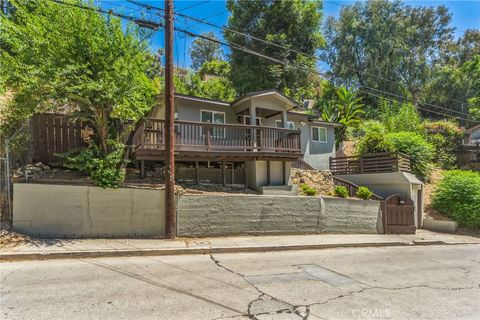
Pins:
<point x="213" y="117"/>
<point x="288" y="123"/>
<point x="319" y="128"/>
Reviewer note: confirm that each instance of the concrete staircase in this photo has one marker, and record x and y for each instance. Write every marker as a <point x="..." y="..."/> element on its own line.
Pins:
<point x="280" y="190"/>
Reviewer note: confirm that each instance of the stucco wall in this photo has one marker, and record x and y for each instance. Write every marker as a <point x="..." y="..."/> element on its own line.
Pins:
<point x="219" y="215"/>
<point x="257" y="173"/>
<point x="83" y="211"/>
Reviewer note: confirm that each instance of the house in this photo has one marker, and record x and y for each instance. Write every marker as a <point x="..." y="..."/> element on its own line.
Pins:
<point x="470" y="153"/>
<point x="472" y="135"/>
<point x="262" y="133"/>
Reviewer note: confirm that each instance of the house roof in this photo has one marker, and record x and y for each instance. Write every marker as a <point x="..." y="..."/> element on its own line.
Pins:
<point x="195" y="98"/>
<point x="320" y="122"/>
<point x="468" y="131"/>
<point x="264" y="93"/>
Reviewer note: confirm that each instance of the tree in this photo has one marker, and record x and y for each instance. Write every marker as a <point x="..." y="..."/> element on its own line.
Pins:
<point x="387" y="45"/>
<point x="346" y="109"/>
<point x="217" y="88"/>
<point x="59" y="56"/>
<point x="454" y="78"/>
<point x="204" y="50"/>
<point x="293" y="24"/>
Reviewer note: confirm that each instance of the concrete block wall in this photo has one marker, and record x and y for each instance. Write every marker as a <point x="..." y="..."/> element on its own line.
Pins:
<point x="83" y="211"/>
<point x="227" y="215"/>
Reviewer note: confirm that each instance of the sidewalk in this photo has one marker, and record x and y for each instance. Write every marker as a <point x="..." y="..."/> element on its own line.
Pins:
<point x="92" y="248"/>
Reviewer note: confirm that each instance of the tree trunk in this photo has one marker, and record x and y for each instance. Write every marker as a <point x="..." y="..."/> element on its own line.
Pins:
<point x="101" y="123"/>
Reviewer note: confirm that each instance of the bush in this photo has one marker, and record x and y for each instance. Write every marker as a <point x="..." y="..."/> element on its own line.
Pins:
<point x="458" y="197"/>
<point x="307" y="190"/>
<point x="414" y="146"/>
<point x="107" y="171"/>
<point x="341" y="191"/>
<point x="364" y="193"/>
<point x="446" y="138"/>
<point x="373" y="142"/>
<point x="400" y="117"/>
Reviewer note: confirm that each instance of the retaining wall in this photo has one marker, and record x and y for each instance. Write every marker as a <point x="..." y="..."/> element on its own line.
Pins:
<point x="225" y="215"/>
<point x="83" y="211"/>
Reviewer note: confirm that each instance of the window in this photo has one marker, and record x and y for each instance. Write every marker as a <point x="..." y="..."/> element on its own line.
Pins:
<point x="290" y="124"/>
<point x="319" y="134"/>
<point x="246" y="120"/>
<point x="214" y="117"/>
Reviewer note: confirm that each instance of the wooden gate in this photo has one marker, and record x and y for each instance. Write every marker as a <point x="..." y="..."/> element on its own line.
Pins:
<point x="399" y="215"/>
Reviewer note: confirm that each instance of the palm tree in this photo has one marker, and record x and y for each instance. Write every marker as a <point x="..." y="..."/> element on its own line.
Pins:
<point x="347" y="110"/>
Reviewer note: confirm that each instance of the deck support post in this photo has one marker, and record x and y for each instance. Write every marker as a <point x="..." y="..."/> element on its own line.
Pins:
<point x="196" y="172"/>
<point x="284" y="119"/>
<point x="268" y="173"/>
<point x="224" y="176"/>
<point x="142" y="169"/>
<point x="253" y="122"/>
<point x="245" y="175"/>
<point x="284" y="174"/>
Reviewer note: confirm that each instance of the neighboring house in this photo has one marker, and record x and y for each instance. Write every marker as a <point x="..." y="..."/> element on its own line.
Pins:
<point x="471" y="147"/>
<point x="472" y="135"/>
<point x="262" y="131"/>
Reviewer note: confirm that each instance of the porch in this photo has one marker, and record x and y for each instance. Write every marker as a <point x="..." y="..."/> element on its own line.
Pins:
<point x="198" y="141"/>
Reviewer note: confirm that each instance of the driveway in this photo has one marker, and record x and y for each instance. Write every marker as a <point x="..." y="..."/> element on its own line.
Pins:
<point x="421" y="282"/>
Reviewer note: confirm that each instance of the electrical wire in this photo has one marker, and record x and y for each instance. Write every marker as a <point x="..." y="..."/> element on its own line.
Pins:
<point x="150" y="24"/>
<point x="203" y="21"/>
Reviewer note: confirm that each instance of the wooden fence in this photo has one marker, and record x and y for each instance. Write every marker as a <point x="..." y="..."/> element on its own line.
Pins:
<point x="54" y="134"/>
<point x="370" y="163"/>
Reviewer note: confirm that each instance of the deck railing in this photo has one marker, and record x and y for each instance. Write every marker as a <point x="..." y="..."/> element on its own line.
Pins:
<point x="199" y="136"/>
<point x="370" y="163"/>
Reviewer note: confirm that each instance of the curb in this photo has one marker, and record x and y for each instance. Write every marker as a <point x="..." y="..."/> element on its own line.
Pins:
<point x="11" y="257"/>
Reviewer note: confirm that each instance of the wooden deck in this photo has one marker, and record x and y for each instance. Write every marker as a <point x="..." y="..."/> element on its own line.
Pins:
<point x="206" y="141"/>
<point x="370" y="163"/>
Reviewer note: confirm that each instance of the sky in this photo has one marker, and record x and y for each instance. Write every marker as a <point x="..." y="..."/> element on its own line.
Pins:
<point x="465" y="15"/>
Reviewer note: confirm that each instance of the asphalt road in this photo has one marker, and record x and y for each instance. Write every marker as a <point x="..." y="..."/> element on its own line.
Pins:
<point x="431" y="282"/>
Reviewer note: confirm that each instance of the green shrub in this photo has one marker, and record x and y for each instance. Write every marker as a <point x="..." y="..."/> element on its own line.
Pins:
<point x="106" y="170"/>
<point x="364" y="193"/>
<point x="458" y="197"/>
<point x="446" y="138"/>
<point x="398" y="117"/>
<point x="414" y="146"/>
<point x="341" y="191"/>
<point x="307" y="190"/>
<point x="364" y="128"/>
<point x="373" y="142"/>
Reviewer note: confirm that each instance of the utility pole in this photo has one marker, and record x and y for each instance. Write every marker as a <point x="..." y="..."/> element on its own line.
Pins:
<point x="170" y="212"/>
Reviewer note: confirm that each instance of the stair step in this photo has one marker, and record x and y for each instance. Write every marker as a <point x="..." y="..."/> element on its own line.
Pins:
<point x="280" y="190"/>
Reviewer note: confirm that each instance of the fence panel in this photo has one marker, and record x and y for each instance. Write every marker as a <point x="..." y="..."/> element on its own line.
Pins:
<point x="54" y="134"/>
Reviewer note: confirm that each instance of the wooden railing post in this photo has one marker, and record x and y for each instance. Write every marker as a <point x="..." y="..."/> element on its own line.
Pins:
<point x="361" y="164"/>
<point x="209" y="137"/>
<point x="142" y="134"/>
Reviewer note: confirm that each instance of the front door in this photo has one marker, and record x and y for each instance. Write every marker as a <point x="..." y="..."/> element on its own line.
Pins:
<point x="248" y="133"/>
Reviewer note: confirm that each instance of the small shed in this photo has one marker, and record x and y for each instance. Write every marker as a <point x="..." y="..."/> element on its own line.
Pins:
<point x="393" y="183"/>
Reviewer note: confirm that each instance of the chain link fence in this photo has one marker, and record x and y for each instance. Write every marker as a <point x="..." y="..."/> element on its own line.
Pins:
<point x="15" y="152"/>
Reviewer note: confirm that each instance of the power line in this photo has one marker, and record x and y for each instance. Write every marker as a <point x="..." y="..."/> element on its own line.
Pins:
<point x="140" y="22"/>
<point x="241" y="48"/>
<point x="149" y="24"/>
<point x="193" y="6"/>
<point x="149" y="7"/>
